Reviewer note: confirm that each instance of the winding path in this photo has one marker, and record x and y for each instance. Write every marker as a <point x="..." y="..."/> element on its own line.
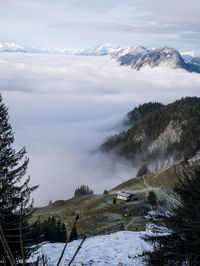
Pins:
<point x="133" y="219"/>
<point x="145" y="183"/>
<point x="130" y="223"/>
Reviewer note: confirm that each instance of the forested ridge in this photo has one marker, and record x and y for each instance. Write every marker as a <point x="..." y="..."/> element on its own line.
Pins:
<point x="150" y="124"/>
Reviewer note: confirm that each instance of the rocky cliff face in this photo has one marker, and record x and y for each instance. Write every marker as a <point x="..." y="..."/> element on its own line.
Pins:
<point x="158" y="133"/>
<point x="172" y="134"/>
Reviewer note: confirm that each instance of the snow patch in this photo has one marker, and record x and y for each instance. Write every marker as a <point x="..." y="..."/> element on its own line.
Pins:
<point x="120" y="248"/>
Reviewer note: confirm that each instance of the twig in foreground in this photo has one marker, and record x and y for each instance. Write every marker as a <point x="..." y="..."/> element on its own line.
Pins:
<point x="77" y="251"/>
<point x="62" y="254"/>
<point x="6" y="247"/>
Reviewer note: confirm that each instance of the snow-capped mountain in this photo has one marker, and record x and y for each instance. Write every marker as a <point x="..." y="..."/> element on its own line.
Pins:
<point x="101" y="50"/>
<point x="136" y="57"/>
<point x="195" y="60"/>
<point x="132" y="56"/>
<point x="189" y="56"/>
<point x="11" y="47"/>
<point x="166" y="56"/>
<point x="107" y="49"/>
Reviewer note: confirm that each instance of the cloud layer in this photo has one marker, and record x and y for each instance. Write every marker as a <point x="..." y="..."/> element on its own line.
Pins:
<point x="63" y="107"/>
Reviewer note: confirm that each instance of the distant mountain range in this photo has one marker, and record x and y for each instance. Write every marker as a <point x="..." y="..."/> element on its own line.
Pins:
<point x="11" y="47"/>
<point x="136" y="57"/>
<point x="107" y="49"/>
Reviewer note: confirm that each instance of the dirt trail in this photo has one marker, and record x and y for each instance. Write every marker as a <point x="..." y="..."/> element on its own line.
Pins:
<point x="128" y="225"/>
<point x="145" y="182"/>
<point x="132" y="220"/>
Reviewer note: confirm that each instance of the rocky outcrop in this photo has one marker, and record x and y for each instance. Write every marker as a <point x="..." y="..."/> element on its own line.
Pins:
<point x="172" y="134"/>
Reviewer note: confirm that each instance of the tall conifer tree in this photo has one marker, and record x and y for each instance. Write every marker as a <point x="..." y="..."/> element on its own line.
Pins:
<point x="15" y="203"/>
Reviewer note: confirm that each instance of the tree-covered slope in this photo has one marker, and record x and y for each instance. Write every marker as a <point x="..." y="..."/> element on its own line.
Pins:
<point x="159" y="133"/>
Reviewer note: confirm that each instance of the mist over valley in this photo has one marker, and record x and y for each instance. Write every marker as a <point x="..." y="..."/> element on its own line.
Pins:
<point x="62" y="108"/>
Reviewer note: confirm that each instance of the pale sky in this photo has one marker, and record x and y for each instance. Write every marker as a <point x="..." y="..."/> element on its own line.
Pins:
<point x="87" y="23"/>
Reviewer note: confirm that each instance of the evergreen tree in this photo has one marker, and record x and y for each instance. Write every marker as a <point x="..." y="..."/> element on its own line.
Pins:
<point x="152" y="198"/>
<point x="51" y="230"/>
<point x="61" y="231"/>
<point x="83" y="191"/>
<point x="73" y="234"/>
<point x="105" y="192"/>
<point x="143" y="170"/>
<point x="15" y="205"/>
<point x="181" y="246"/>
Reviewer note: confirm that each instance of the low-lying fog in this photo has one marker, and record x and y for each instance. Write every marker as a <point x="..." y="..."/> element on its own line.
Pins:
<point x="63" y="107"/>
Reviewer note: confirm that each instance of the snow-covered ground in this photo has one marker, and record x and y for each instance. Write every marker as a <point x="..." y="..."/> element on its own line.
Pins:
<point x="195" y="158"/>
<point x="120" y="248"/>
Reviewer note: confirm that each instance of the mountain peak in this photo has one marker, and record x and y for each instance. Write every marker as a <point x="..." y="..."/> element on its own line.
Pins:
<point x="11" y="47"/>
<point x="165" y="56"/>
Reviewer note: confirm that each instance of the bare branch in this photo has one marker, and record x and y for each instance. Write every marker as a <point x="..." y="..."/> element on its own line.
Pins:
<point x="79" y="247"/>
<point x="6" y="247"/>
<point x="62" y="254"/>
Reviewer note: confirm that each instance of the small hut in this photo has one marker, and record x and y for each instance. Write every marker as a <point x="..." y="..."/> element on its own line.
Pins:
<point x="126" y="196"/>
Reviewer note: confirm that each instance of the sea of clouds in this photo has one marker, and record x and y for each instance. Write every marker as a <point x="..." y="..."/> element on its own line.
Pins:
<point x="63" y="107"/>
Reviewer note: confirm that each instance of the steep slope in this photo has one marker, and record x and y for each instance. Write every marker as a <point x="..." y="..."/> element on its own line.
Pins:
<point x="130" y="56"/>
<point x="195" y="60"/>
<point x="159" y="134"/>
<point x="157" y="57"/>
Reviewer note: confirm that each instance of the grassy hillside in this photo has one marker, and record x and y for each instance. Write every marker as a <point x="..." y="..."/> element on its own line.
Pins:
<point x="98" y="214"/>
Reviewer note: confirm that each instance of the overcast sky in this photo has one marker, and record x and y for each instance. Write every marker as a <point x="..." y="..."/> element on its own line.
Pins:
<point x="86" y="23"/>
